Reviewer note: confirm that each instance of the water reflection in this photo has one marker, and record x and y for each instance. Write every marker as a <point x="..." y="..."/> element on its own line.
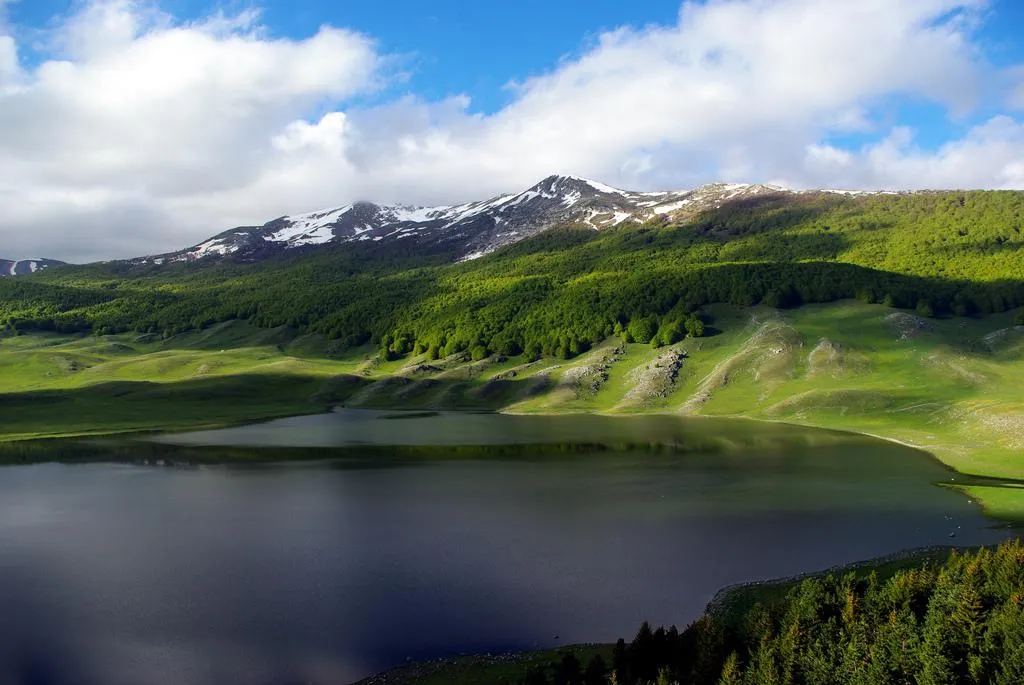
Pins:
<point x="327" y="571"/>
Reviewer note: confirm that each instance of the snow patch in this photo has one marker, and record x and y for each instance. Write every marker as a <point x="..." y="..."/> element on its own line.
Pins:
<point x="215" y="246"/>
<point x="309" y="229"/>
<point x="598" y="186"/>
<point x="672" y="206"/>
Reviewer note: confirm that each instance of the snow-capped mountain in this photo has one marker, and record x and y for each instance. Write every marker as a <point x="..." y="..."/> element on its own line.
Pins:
<point x="23" y="267"/>
<point x="470" y="230"/>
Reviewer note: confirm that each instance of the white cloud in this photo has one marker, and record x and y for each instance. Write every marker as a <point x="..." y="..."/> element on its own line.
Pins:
<point x="142" y="115"/>
<point x="1016" y="98"/>
<point x="10" y="72"/>
<point x="145" y="134"/>
<point x="989" y="156"/>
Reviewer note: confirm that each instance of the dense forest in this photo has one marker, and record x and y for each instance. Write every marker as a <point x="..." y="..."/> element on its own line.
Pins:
<point x="961" y="621"/>
<point x="940" y="253"/>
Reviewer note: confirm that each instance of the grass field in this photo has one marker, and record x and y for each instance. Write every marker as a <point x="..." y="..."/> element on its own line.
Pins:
<point x="949" y="386"/>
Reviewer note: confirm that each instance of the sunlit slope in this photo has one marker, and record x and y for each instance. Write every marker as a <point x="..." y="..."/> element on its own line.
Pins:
<point x="565" y="289"/>
<point x="953" y="386"/>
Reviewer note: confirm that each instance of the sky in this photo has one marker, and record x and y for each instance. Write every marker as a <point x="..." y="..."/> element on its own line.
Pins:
<point x="134" y="127"/>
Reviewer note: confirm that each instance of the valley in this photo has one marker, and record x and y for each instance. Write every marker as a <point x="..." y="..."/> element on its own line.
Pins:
<point x="947" y="386"/>
<point x="669" y="342"/>
<point x="733" y="359"/>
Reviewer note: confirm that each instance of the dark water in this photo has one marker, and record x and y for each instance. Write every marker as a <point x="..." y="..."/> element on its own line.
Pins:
<point x="326" y="572"/>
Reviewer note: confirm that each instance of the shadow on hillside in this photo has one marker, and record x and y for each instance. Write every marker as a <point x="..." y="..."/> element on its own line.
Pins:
<point x="789" y="248"/>
<point x="241" y="390"/>
<point x="984" y="249"/>
<point x="761" y="213"/>
<point x="215" y="401"/>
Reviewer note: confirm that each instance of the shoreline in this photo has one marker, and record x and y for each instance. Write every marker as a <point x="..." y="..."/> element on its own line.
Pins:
<point x="719" y="605"/>
<point x="132" y="433"/>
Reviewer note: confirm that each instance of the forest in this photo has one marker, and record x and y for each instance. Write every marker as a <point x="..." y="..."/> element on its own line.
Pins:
<point x="939" y="253"/>
<point x="960" y="621"/>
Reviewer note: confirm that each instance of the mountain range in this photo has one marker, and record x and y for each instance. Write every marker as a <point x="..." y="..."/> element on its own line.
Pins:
<point x="466" y="231"/>
<point x="474" y="229"/>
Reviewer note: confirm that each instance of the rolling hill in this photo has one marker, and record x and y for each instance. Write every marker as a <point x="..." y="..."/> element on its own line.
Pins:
<point x="892" y="314"/>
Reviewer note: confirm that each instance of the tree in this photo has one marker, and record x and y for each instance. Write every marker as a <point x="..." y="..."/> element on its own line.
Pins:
<point x="1011" y="670"/>
<point x="694" y="327"/>
<point x="568" y="671"/>
<point x="732" y="673"/>
<point x="671" y="332"/>
<point x="596" y="672"/>
<point x="620" y="662"/>
<point x="643" y="329"/>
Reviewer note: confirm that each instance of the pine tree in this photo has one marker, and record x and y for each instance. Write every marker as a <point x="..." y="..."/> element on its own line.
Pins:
<point x="620" y="662"/>
<point x="1011" y="670"/>
<point x="596" y="672"/>
<point x="732" y="673"/>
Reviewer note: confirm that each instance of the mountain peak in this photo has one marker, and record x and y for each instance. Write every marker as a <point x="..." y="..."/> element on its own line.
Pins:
<point x="561" y="183"/>
<point x="474" y="229"/>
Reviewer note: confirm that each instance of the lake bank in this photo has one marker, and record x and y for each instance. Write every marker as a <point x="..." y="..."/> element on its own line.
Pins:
<point x="269" y="565"/>
<point x="1001" y="498"/>
<point x="946" y="386"/>
<point x="729" y="605"/>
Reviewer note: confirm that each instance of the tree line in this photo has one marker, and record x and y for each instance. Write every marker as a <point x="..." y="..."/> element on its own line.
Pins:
<point x="958" y="622"/>
<point x="557" y="294"/>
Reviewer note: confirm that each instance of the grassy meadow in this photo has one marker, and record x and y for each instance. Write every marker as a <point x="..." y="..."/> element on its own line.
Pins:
<point x="951" y="386"/>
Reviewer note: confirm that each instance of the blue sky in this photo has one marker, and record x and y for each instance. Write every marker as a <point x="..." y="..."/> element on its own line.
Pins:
<point x="447" y="47"/>
<point x="452" y="46"/>
<point x="186" y="116"/>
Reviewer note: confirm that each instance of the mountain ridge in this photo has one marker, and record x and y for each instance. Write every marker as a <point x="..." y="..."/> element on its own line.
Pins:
<point x="474" y="229"/>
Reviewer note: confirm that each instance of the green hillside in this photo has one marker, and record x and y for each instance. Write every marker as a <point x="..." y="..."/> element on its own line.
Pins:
<point x="565" y="290"/>
<point x="950" y="386"/>
<point x="895" y="315"/>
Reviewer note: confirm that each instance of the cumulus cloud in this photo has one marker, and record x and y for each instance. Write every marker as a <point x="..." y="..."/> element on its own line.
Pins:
<point x="989" y="156"/>
<point x="142" y="133"/>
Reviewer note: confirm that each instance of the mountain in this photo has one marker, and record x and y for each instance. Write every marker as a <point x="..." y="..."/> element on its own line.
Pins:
<point x="475" y="229"/>
<point x="23" y="267"/>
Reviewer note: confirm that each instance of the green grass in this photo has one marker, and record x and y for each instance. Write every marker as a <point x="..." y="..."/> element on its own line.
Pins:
<point x="1002" y="501"/>
<point x="949" y="386"/>
<point x="52" y="386"/>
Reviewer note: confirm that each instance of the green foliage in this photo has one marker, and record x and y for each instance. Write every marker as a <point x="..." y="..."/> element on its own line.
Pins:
<point x="958" y="622"/>
<point x="642" y="330"/>
<point x="694" y="327"/>
<point x="565" y="290"/>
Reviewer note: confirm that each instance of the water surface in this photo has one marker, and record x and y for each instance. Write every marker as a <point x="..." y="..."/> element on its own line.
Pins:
<point x="327" y="571"/>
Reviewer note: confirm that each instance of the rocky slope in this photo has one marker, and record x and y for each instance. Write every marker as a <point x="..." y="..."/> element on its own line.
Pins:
<point x="469" y="230"/>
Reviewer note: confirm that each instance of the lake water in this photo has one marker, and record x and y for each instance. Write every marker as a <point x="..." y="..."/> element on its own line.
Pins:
<point x="327" y="571"/>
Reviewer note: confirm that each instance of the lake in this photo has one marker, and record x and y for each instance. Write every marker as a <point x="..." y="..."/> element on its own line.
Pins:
<point x="428" y="535"/>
